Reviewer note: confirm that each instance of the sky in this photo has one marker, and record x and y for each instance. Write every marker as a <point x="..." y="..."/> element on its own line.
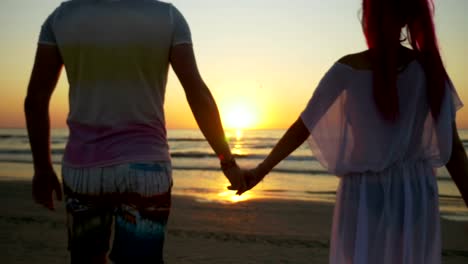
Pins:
<point x="261" y="59"/>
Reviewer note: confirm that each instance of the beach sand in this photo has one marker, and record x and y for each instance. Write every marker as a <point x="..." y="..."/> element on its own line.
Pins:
<point x="258" y="231"/>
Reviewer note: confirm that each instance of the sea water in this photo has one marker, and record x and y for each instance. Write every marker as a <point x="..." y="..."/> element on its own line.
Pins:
<point x="197" y="173"/>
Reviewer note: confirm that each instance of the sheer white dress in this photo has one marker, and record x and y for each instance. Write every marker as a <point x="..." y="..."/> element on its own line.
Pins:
<point x="386" y="208"/>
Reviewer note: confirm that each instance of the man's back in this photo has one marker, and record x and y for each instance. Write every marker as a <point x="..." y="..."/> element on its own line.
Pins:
<point x="116" y="54"/>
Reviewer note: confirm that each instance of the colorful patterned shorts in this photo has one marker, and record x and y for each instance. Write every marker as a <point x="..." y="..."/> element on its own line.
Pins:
<point x="133" y="198"/>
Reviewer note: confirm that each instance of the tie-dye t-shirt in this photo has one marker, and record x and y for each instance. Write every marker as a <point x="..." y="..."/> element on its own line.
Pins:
<point x="116" y="56"/>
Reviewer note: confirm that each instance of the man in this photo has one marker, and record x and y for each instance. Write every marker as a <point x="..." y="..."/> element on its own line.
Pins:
<point x="116" y="162"/>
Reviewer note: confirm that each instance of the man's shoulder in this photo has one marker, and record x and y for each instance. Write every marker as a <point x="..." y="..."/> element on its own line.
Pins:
<point x="153" y="2"/>
<point x="157" y="2"/>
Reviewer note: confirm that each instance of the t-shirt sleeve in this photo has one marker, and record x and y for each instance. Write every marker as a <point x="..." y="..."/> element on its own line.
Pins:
<point x="181" y="34"/>
<point x="47" y="34"/>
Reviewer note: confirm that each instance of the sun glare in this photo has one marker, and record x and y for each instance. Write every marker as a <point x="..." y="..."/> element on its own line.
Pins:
<point x="239" y="116"/>
<point x="230" y="196"/>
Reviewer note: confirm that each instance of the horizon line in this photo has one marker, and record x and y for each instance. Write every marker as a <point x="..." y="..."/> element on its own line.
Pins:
<point x="169" y="128"/>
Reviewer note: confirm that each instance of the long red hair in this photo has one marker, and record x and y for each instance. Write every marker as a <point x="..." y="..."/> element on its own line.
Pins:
<point x="383" y="21"/>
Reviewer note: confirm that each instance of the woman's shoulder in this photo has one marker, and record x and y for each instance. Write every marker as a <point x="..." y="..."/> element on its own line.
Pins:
<point x="362" y="60"/>
<point x="358" y="61"/>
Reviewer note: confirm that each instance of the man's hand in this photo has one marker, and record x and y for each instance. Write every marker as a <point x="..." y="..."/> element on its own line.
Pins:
<point x="44" y="184"/>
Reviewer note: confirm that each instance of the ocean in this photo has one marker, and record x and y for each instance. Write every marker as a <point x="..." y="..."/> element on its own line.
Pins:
<point x="196" y="168"/>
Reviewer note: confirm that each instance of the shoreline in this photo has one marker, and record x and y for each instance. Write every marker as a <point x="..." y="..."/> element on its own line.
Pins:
<point x="451" y="207"/>
<point x="254" y="231"/>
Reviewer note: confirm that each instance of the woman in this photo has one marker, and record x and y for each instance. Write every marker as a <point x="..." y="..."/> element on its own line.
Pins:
<point x="382" y="120"/>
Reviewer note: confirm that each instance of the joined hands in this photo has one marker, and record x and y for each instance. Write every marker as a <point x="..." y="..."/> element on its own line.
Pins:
<point x="243" y="180"/>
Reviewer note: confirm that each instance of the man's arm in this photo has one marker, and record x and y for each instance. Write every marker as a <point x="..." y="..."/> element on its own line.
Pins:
<point x="458" y="165"/>
<point x="46" y="71"/>
<point x="203" y="107"/>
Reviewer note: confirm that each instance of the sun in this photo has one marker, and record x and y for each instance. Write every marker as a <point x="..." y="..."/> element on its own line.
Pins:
<point x="239" y="115"/>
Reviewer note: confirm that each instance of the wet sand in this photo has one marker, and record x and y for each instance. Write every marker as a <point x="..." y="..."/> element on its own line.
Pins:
<point x="257" y="231"/>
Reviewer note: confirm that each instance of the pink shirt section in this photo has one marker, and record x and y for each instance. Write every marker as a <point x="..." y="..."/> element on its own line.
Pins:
<point x="94" y="146"/>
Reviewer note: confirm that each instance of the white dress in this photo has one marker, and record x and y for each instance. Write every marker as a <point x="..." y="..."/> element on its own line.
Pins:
<point x="386" y="208"/>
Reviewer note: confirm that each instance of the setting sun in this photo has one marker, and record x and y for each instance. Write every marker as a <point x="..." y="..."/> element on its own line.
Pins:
<point x="239" y="115"/>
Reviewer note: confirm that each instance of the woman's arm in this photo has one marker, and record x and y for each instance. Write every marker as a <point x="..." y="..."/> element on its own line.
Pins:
<point x="327" y="92"/>
<point x="458" y="165"/>
<point x="291" y="140"/>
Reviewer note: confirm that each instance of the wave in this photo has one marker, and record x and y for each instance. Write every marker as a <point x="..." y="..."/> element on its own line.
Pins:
<point x="246" y="139"/>
<point x="28" y="151"/>
<point x="192" y="168"/>
<point x="175" y="167"/>
<point x="6" y="136"/>
<point x="22" y="136"/>
<point x="186" y="140"/>
<point x="195" y="154"/>
<point x="176" y="154"/>
<point x="279" y="170"/>
<point x="63" y="139"/>
<point x="26" y="137"/>
<point x="239" y="156"/>
<point x="172" y="139"/>
<point x="257" y="139"/>
<point x="446" y="196"/>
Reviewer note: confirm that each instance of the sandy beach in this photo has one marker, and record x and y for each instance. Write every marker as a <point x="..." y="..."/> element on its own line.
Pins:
<point x="258" y="231"/>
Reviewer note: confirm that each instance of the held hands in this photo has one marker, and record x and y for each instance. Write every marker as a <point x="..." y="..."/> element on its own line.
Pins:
<point x="252" y="177"/>
<point x="44" y="184"/>
<point x="234" y="175"/>
<point x="243" y="180"/>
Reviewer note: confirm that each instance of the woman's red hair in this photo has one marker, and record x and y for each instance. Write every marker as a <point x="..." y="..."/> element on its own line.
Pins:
<point x="383" y="21"/>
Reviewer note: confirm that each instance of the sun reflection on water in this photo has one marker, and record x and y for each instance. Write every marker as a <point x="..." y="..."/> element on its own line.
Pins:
<point x="239" y="134"/>
<point x="238" y="150"/>
<point x="235" y="134"/>
<point x="230" y="196"/>
<point x="237" y="142"/>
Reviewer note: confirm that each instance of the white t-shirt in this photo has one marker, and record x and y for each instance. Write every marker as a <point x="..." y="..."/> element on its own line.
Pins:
<point x="116" y="55"/>
<point x="348" y="134"/>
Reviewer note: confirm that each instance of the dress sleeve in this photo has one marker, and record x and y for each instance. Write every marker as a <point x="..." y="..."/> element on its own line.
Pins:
<point x="438" y="133"/>
<point x="324" y="96"/>
<point x="456" y="103"/>
<point x="181" y="34"/>
<point x="325" y="117"/>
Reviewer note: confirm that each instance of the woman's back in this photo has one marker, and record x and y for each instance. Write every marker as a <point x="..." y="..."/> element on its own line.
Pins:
<point x="348" y="133"/>
<point x="386" y="206"/>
